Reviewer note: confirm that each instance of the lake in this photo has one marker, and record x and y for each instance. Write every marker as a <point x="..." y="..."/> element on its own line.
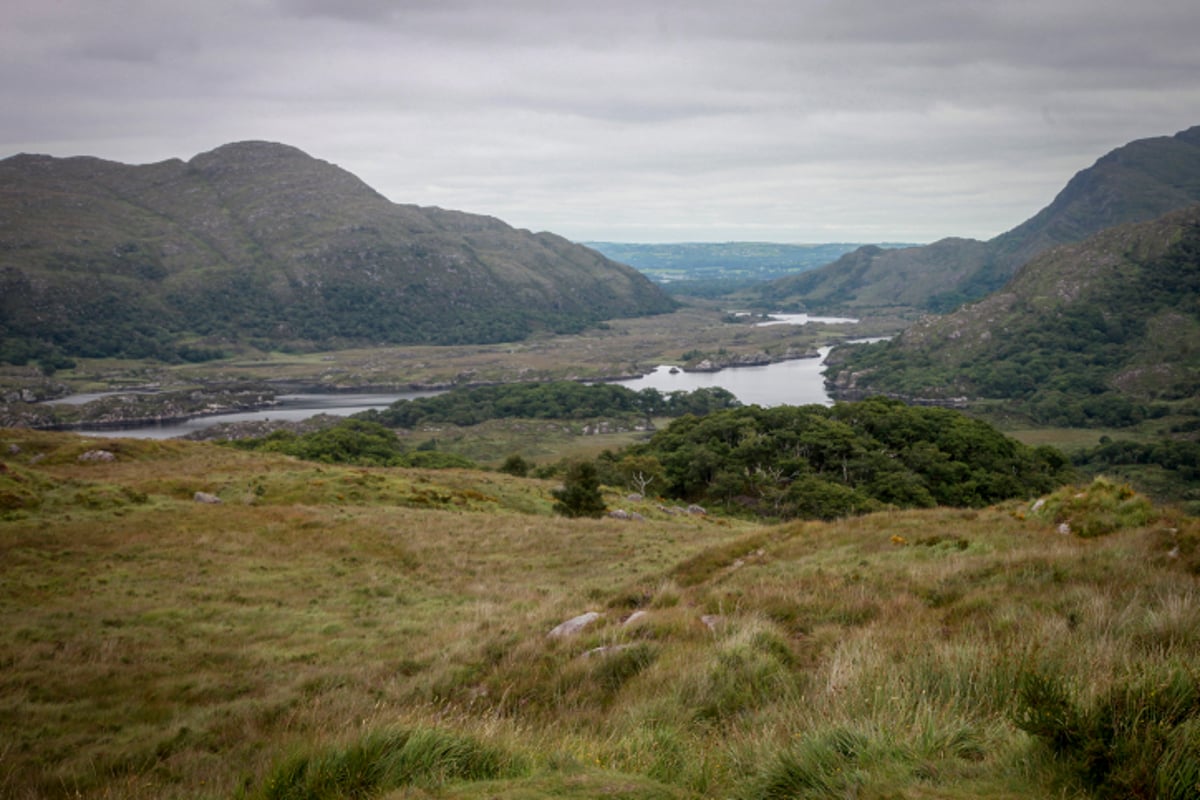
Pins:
<point x="794" y="382"/>
<point x="290" y="407"/>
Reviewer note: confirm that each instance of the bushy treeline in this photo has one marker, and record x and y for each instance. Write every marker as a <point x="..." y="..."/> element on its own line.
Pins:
<point x="1167" y="469"/>
<point x="783" y="462"/>
<point x="352" y="441"/>
<point x="552" y="400"/>
<point x="814" y="461"/>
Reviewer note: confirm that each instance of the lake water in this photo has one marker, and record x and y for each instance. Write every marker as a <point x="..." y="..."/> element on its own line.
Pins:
<point x="794" y="382"/>
<point x="797" y="382"/>
<point x="291" y="408"/>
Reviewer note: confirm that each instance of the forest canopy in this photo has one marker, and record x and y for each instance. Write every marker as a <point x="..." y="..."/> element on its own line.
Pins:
<point x="852" y="458"/>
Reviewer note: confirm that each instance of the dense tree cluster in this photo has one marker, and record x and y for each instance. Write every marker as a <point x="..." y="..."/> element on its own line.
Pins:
<point x="782" y="462"/>
<point x="551" y="400"/>
<point x="814" y="461"/>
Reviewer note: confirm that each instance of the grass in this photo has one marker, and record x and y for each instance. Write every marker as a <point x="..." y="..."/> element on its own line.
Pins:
<point x="341" y="632"/>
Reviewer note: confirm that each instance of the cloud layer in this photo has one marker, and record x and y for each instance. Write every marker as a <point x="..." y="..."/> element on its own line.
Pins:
<point x="791" y="120"/>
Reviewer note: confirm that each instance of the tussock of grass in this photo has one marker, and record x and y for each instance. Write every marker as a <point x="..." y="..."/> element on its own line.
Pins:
<point x="388" y="760"/>
<point x="1100" y="508"/>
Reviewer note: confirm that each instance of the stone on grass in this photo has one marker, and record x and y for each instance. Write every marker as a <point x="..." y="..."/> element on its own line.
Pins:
<point x="574" y="625"/>
<point x="634" y="617"/>
<point x="205" y="497"/>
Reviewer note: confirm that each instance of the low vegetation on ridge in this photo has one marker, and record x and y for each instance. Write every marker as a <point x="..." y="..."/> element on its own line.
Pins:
<point x="339" y="631"/>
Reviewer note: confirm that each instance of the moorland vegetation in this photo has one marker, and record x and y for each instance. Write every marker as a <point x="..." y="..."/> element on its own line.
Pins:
<point x="332" y="630"/>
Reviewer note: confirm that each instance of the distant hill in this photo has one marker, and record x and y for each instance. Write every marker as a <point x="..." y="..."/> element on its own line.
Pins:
<point x="1085" y="334"/>
<point x="1137" y="182"/>
<point x="673" y="261"/>
<point x="713" y="269"/>
<point x="257" y="241"/>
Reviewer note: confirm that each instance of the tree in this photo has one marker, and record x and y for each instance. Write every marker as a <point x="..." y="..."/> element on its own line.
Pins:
<point x="580" y="493"/>
<point x="640" y="471"/>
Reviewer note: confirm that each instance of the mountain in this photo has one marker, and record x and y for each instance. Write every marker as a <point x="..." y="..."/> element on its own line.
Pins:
<point x="1091" y="333"/>
<point x="1137" y="182"/>
<point x="256" y="241"/>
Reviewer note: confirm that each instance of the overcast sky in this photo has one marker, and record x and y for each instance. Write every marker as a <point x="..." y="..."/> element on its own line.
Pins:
<point x="626" y="120"/>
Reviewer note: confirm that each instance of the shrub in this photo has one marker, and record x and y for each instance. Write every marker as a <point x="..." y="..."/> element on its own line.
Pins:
<point x="1101" y="508"/>
<point x="516" y="465"/>
<point x="580" y="493"/>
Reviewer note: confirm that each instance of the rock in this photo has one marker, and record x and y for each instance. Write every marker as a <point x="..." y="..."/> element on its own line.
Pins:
<point x="619" y="513"/>
<point x="635" y="616"/>
<point x="205" y="497"/>
<point x="574" y="625"/>
<point x="97" y="455"/>
<point x="633" y="498"/>
<point x="1038" y="504"/>
<point x="713" y="621"/>
<point x="636" y="517"/>
<point x="1064" y="529"/>
<point x="13" y="449"/>
<point x="696" y="510"/>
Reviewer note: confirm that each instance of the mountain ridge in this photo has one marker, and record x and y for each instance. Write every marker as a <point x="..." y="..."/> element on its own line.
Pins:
<point x="1139" y="181"/>
<point x="1085" y="333"/>
<point x="259" y="241"/>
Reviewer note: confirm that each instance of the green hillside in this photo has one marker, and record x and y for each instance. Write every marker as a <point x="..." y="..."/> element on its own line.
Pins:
<point x="1137" y="182"/>
<point x="258" y="242"/>
<point x="1096" y="333"/>
<point x="328" y="631"/>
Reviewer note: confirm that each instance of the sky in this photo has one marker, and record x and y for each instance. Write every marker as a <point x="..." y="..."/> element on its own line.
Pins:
<point x="626" y="120"/>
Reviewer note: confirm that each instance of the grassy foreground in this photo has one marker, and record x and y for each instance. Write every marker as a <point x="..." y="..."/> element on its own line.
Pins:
<point x="347" y="632"/>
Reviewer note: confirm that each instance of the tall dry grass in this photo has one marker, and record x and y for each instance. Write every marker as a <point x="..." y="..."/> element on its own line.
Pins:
<point x="292" y="642"/>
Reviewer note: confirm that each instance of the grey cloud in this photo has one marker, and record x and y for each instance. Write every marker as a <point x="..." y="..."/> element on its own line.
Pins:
<point x="787" y="119"/>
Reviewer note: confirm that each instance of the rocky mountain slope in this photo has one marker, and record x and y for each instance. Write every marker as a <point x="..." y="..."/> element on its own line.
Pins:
<point x="256" y="241"/>
<point x="1082" y="334"/>
<point x="1137" y="182"/>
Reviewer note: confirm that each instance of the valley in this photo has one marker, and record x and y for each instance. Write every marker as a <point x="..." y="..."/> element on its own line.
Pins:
<point x="973" y="576"/>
